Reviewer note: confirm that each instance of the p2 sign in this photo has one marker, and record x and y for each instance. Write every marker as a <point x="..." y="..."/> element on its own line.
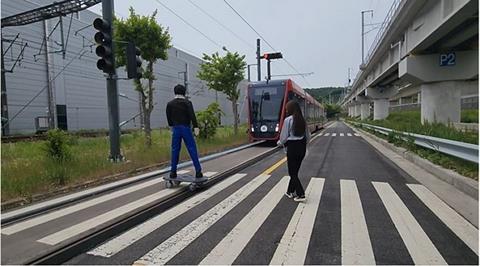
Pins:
<point x="447" y="59"/>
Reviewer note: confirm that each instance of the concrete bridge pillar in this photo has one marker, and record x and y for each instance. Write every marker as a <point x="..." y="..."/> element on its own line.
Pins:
<point x="441" y="102"/>
<point x="380" y="108"/>
<point x="357" y="110"/>
<point x="380" y="96"/>
<point x="365" y="110"/>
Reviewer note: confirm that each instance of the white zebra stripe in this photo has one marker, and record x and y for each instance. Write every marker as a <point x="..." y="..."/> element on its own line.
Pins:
<point x="418" y="244"/>
<point x="232" y="245"/>
<point x="356" y="245"/>
<point x="176" y="243"/>
<point x="293" y="247"/>
<point x="461" y="227"/>
<point x="126" y="239"/>
<point x="74" y="208"/>
<point x="84" y="226"/>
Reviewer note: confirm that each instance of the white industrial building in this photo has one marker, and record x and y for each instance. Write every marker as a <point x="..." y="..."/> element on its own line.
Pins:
<point x="62" y="51"/>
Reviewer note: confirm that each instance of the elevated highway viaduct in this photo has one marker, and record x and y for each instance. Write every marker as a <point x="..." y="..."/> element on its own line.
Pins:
<point x="427" y="49"/>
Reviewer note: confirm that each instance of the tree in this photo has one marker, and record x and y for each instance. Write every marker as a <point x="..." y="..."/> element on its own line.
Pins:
<point x="223" y="74"/>
<point x="153" y="40"/>
<point x="332" y="109"/>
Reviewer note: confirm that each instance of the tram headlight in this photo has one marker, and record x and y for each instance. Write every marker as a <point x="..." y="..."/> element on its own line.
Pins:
<point x="276" y="128"/>
<point x="253" y="129"/>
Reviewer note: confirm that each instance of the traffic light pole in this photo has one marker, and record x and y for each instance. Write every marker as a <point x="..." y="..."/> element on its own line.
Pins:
<point x="259" y="68"/>
<point x="268" y="70"/>
<point x="112" y="92"/>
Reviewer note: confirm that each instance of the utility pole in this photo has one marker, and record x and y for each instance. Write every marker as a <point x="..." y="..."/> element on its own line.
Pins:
<point x="5" y="127"/>
<point x="259" y="69"/>
<point x="186" y="77"/>
<point x="112" y="91"/>
<point x="363" y="36"/>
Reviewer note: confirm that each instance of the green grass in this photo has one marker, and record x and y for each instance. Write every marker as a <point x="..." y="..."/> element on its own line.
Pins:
<point x="26" y="170"/>
<point x="465" y="168"/>
<point x="409" y="121"/>
<point x="469" y="116"/>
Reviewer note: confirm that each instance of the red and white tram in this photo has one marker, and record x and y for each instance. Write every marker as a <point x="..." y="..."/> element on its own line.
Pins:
<point x="266" y="108"/>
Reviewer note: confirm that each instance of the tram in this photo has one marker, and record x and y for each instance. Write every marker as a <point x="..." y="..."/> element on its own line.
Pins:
<point x="266" y="108"/>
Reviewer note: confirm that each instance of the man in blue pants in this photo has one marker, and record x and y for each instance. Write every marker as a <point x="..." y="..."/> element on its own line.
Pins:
<point x="180" y="116"/>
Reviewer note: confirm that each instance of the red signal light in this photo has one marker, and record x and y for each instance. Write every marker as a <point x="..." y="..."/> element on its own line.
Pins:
<point x="265" y="56"/>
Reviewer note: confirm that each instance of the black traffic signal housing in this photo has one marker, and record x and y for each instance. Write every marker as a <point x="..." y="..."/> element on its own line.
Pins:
<point x="272" y="56"/>
<point x="104" y="49"/>
<point x="134" y="62"/>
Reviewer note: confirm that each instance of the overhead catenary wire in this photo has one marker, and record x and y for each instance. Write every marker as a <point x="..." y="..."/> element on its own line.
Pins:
<point x="286" y="61"/>
<point x="190" y="25"/>
<point x="40" y="92"/>
<point x="222" y="25"/>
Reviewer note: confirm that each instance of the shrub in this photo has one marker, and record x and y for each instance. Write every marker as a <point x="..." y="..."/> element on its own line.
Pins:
<point x="58" y="153"/>
<point x="209" y="120"/>
<point x="57" y="146"/>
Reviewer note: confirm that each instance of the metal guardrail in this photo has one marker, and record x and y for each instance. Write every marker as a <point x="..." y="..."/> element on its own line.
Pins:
<point x="462" y="150"/>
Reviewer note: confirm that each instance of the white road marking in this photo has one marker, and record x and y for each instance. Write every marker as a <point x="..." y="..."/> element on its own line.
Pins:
<point x="232" y="245"/>
<point x="334" y="134"/>
<point x="182" y="172"/>
<point x="177" y="242"/>
<point x="418" y="244"/>
<point x="356" y="245"/>
<point x="356" y="134"/>
<point x="209" y="174"/>
<point x="461" y="227"/>
<point x="349" y="134"/>
<point x="74" y="196"/>
<point x="293" y="247"/>
<point x="77" y="229"/>
<point x="326" y="134"/>
<point x="341" y="134"/>
<point x="126" y="239"/>
<point x="77" y="207"/>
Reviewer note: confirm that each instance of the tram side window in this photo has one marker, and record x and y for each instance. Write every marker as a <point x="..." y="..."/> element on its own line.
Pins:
<point x="291" y="95"/>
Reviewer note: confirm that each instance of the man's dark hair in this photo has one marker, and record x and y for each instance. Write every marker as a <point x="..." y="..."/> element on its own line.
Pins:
<point x="179" y="89"/>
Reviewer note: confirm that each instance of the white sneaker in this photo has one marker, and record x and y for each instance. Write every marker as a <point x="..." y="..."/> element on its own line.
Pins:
<point x="299" y="199"/>
<point x="289" y="195"/>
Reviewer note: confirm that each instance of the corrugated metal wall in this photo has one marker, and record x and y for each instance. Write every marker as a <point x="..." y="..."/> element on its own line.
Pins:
<point x="77" y="83"/>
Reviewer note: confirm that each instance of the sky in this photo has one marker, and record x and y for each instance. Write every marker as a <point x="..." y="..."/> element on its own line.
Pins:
<point x="319" y="36"/>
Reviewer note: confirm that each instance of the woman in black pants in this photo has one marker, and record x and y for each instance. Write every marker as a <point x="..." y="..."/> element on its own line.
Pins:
<point x="294" y="136"/>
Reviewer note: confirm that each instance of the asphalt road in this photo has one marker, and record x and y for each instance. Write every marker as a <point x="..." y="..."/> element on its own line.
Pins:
<point x="360" y="209"/>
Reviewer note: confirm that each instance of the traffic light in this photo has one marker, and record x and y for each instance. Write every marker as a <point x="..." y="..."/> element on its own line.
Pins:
<point x="272" y="56"/>
<point x="104" y="49"/>
<point x="134" y="62"/>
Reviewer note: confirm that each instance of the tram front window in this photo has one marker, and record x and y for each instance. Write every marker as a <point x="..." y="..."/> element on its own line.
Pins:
<point x="266" y="103"/>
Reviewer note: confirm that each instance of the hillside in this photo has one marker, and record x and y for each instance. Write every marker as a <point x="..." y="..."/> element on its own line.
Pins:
<point x="322" y="94"/>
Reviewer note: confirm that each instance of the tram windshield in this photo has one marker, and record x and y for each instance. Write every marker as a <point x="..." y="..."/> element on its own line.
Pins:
<point x="266" y="103"/>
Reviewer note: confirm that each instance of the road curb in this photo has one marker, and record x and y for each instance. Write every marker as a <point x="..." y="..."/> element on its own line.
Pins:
<point x="462" y="183"/>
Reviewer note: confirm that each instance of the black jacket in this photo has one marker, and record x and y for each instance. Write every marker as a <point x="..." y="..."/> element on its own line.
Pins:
<point x="180" y="112"/>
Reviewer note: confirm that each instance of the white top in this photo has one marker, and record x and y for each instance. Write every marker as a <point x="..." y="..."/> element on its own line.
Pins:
<point x="287" y="132"/>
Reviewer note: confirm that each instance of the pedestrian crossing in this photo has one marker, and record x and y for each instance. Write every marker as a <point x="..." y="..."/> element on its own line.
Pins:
<point x="356" y="247"/>
<point x="294" y="245"/>
<point x="334" y="134"/>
